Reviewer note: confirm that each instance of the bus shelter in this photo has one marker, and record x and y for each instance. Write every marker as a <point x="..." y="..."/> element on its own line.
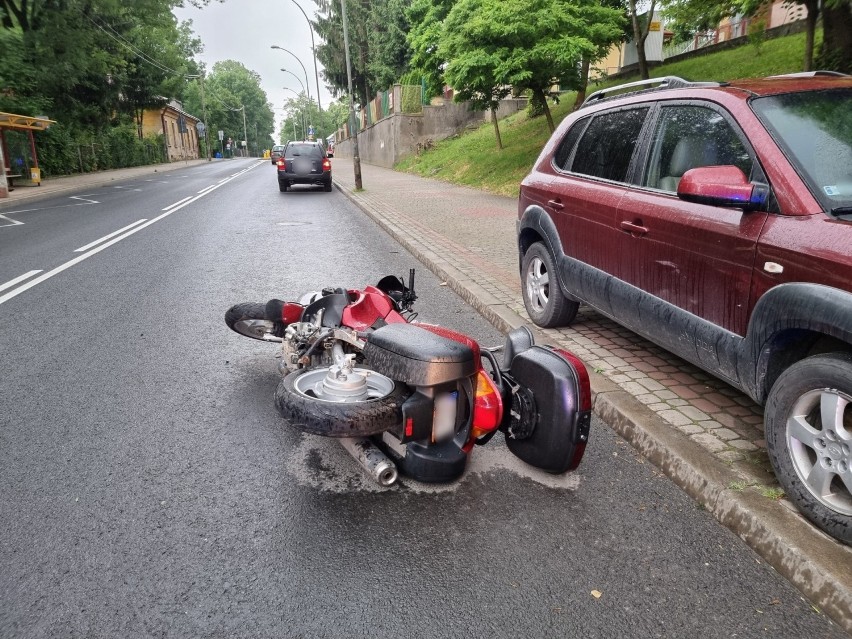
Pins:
<point x="18" y="156"/>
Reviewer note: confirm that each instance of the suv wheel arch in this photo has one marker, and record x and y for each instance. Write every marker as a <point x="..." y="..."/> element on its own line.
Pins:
<point x="790" y="322"/>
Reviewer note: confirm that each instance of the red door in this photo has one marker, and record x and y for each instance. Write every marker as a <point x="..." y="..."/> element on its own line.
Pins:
<point x="694" y="256"/>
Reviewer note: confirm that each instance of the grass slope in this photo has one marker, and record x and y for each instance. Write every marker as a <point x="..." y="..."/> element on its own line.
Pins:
<point x="472" y="158"/>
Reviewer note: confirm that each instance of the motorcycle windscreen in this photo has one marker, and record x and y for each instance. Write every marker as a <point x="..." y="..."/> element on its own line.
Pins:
<point x="548" y="424"/>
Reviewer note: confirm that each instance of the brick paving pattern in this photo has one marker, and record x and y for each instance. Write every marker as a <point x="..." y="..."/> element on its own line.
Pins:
<point x="473" y="234"/>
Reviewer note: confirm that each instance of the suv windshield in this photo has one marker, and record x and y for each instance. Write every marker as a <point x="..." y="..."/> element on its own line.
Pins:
<point x="814" y="129"/>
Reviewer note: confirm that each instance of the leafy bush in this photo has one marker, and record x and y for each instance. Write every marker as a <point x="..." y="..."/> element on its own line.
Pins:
<point x="412" y="100"/>
<point x="62" y="152"/>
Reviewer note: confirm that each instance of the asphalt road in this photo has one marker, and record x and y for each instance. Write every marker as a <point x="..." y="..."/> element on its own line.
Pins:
<point x="149" y="488"/>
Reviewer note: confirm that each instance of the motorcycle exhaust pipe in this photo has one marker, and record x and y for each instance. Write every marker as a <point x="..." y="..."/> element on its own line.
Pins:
<point x="373" y="460"/>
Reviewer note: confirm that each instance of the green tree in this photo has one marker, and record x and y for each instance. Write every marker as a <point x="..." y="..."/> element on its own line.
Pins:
<point x="558" y="36"/>
<point x="474" y="68"/>
<point x="495" y="46"/>
<point x="426" y="18"/>
<point x="389" y="53"/>
<point x="93" y="61"/>
<point x="836" y="51"/>
<point x="329" y="26"/>
<point x="229" y="91"/>
<point x="641" y="26"/>
<point x="690" y="16"/>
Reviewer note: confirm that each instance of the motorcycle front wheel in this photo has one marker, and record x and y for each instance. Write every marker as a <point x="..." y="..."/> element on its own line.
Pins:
<point x="249" y="319"/>
<point x="304" y="410"/>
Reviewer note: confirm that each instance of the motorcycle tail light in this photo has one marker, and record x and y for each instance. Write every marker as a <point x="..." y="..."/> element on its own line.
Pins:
<point x="584" y="389"/>
<point x="487" y="406"/>
<point x="291" y="312"/>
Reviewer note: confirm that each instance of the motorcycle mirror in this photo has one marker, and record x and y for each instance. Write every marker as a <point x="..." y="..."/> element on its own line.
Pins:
<point x="393" y="286"/>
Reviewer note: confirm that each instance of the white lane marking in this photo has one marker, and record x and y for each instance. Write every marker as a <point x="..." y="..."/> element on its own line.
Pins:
<point x="62" y="267"/>
<point x="47" y="208"/>
<point x="17" y="280"/>
<point x="10" y="220"/>
<point x="206" y="189"/>
<point x="106" y="237"/>
<point x="176" y="203"/>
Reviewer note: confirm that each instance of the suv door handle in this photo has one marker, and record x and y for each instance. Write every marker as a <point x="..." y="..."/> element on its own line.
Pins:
<point x="637" y="229"/>
<point x="556" y="204"/>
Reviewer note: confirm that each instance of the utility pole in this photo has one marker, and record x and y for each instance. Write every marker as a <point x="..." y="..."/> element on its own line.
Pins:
<point x="356" y="160"/>
<point x="200" y="77"/>
<point x="245" y="135"/>
<point x="4" y="187"/>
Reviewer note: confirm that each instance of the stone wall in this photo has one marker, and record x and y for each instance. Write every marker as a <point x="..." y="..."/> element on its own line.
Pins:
<point x="398" y="135"/>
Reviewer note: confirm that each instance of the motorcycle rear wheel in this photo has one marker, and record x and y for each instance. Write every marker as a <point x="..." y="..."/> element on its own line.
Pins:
<point x="338" y="419"/>
<point x="249" y="319"/>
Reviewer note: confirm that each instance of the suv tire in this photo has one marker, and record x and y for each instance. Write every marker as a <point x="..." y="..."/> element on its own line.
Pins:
<point x="808" y="429"/>
<point x="543" y="298"/>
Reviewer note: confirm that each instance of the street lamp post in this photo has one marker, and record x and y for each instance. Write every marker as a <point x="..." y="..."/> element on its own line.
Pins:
<point x="304" y="122"/>
<point x="307" y="85"/>
<point x="356" y="160"/>
<point x="313" y="50"/>
<point x="301" y="84"/>
<point x="200" y="78"/>
<point x="245" y="134"/>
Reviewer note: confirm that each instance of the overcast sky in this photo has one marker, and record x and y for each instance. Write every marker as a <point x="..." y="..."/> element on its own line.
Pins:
<point x="244" y="30"/>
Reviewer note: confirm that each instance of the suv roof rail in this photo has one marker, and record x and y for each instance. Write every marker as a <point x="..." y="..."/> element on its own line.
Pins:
<point x="811" y="74"/>
<point x="654" y="84"/>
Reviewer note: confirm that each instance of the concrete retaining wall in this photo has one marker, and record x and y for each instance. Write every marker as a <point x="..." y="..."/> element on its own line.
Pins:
<point x="392" y="138"/>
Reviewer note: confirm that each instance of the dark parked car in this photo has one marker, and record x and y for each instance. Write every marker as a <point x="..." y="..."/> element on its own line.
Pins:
<point x="304" y="163"/>
<point x="277" y="152"/>
<point x="716" y="220"/>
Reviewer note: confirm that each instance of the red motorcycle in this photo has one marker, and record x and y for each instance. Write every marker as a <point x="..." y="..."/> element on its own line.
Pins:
<point x="414" y="397"/>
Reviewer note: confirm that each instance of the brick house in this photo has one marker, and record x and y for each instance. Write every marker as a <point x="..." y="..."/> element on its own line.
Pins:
<point x="177" y="128"/>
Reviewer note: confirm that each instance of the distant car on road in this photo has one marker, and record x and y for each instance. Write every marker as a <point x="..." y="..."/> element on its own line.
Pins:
<point x="303" y="163"/>
<point x="715" y="219"/>
<point x="277" y="152"/>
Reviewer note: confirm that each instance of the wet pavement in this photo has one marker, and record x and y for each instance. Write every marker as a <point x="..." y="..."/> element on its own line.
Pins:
<point x="705" y="435"/>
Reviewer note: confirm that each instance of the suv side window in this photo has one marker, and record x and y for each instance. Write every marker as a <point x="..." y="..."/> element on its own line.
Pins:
<point x="690" y="136"/>
<point x="563" y="154"/>
<point x="607" y="145"/>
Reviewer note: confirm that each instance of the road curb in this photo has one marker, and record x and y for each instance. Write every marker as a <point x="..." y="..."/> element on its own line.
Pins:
<point x="815" y="563"/>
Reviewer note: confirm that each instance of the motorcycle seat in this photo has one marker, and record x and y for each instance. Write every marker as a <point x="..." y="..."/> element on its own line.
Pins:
<point x="418" y="357"/>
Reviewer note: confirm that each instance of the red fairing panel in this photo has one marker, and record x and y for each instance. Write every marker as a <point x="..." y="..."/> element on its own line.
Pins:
<point x="370" y="305"/>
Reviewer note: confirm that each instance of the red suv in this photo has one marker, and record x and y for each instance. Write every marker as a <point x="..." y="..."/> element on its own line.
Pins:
<point x="715" y="219"/>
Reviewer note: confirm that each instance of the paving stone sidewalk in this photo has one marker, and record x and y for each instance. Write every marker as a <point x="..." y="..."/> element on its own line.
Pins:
<point x="706" y="435"/>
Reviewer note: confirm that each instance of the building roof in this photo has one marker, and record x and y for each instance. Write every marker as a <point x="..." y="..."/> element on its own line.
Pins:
<point x="33" y="122"/>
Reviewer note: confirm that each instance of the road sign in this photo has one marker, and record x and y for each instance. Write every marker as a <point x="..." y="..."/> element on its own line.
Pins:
<point x="221" y="135"/>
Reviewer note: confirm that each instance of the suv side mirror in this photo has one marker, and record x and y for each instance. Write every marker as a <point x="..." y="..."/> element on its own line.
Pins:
<point x="722" y="186"/>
